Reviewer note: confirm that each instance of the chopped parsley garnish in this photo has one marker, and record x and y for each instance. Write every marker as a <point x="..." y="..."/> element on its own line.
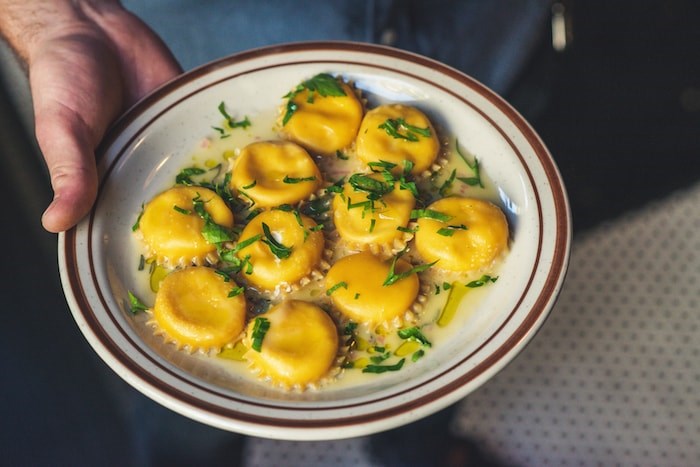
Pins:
<point x="135" y="305"/>
<point x="185" y="175"/>
<point x="323" y="83"/>
<point x="394" y="126"/>
<point x="447" y="185"/>
<point x="380" y="166"/>
<point x="474" y="180"/>
<point x="236" y="291"/>
<point x="417" y="355"/>
<point x="430" y="214"/>
<point x="223" y="275"/>
<point x="349" y="328"/>
<point x="260" y="328"/>
<point x="392" y="277"/>
<point x="483" y="280"/>
<point x="341" y="155"/>
<point x="407" y="229"/>
<point x="384" y="368"/>
<point x="137" y="224"/>
<point x="184" y="211"/>
<point x="278" y="249"/>
<point x="212" y="232"/>
<point x="245" y="123"/>
<point x="415" y="334"/>
<point x="292" y="180"/>
<point x="450" y="230"/>
<point x="375" y="188"/>
<point x="244" y="243"/>
<point x="342" y="284"/>
<point x="250" y="185"/>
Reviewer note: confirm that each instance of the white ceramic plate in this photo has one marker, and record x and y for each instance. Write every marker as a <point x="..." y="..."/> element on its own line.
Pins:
<point x="155" y="139"/>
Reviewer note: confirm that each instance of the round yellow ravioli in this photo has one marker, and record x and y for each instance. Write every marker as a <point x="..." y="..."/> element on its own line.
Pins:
<point x="171" y="228"/>
<point x="396" y="133"/>
<point x="289" y="247"/>
<point x="193" y="308"/>
<point x="323" y="124"/>
<point x="297" y="345"/>
<point x="272" y="173"/>
<point x="373" y="224"/>
<point x="356" y="287"/>
<point x="473" y="237"/>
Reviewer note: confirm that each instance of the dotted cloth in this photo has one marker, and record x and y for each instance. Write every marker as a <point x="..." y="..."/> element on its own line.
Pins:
<point x="613" y="376"/>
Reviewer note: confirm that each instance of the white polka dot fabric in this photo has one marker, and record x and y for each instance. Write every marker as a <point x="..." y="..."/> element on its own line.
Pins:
<point x="612" y="378"/>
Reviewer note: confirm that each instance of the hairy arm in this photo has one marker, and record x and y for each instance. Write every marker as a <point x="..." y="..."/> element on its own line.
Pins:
<point x="87" y="61"/>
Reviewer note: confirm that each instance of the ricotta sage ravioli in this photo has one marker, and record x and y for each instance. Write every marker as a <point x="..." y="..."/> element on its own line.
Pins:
<point x="345" y="238"/>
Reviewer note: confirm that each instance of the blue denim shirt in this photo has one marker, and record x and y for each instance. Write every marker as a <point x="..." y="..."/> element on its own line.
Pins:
<point x="490" y="40"/>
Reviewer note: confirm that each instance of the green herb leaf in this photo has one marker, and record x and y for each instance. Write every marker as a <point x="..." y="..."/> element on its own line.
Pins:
<point x="212" y="232"/>
<point x="393" y="127"/>
<point x="341" y="155"/>
<point x="450" y="230"/>
<point x="349" y="328"/>
<point x="185" y="175"/>
<point x="236" y="291"/>
<point x="279" y="250"/>
<point x="407" y="229"/>
<point x="292" y="180"/>
<point x="184" y="211"/>
<point x="375" y="189"/>
<point x="384" y="368"/>
<point x="137" y="224"/>
<point x="245" y="123"/>
<point x="447" y="185"/>
<point x="381" y="166"/>
<point x="415" y="334"/>
<point x="483" y="280"/>
<point x="135" y="305"/>
<point x="476" y="179"/>
<point x="342" y="284"/>
<point x="430" y="214"/>
<point x="260" y="328"/>
<point x="417" y="355"/>
<point x="392" y="277"/>
<point x="244" y="243"/>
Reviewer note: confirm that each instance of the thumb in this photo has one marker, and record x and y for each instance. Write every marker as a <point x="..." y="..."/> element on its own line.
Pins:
<point x="71" y="165"/>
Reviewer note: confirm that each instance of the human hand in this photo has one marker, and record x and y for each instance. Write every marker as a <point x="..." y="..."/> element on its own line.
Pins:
<point x="87" y="62"/>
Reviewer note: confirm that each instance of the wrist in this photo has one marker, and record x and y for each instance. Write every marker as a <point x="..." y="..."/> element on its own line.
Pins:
<point x="27" y="24"/>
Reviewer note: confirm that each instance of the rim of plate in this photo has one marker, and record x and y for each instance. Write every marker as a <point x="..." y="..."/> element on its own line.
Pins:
<point x="219" y="407"/>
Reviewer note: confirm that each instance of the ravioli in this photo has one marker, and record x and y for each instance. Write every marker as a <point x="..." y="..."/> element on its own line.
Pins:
<point x="372" y="213"/>
<point x="322" y="114"/>
<point x="271" y="173"/>
<point x="471" y="237"/>
<point x="356" y="286"/>
<point x="396" y="133"/>
<point x="297" y="346"/>
<point x="172" y="229"/>
<point x="288" y="249"/>
<point x="198" y="308"/>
